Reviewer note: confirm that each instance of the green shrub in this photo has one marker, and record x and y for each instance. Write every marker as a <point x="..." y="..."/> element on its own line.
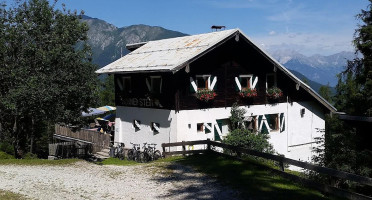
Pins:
<point x="30" y="155"/>
<point x="4" y="155"/>
<point x="7" y="148"/>
<point x="245" y="139"/>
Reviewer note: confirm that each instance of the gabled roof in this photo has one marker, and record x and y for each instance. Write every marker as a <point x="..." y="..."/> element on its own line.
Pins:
<point x="171" y="55"/>
<point x="168" y="54"/>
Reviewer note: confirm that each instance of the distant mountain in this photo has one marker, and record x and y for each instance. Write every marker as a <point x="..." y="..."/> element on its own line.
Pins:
<point x="108" y="41"/>
<point x="322" y="69"/>
<point x="313" y="84"/>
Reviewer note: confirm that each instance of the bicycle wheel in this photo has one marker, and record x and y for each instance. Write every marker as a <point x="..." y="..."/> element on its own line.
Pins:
<point x="131" y="154"/>
<point x="121" y="154"/>
<point x="157" y="155"/>
<point x="147" y="157"/>
<point x="141" y="157"/>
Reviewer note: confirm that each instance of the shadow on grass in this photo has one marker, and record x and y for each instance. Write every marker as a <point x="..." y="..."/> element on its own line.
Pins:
<point x="251" y="180"/>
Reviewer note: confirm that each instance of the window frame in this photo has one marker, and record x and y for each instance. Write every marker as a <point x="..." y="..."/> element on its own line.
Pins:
<point x="152" y="84"/>
<point x="201" y="129"/>
<point x="277" y="122"/>
<point x="250" y="82"/>
<point x="125" y="87"/>
<point x="206" y="78"/>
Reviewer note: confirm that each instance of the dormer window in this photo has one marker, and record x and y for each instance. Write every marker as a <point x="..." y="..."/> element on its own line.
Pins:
<point x="270" y="81"/>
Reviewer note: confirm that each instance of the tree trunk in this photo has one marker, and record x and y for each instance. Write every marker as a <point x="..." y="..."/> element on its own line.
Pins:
<point x="32" y="135"/>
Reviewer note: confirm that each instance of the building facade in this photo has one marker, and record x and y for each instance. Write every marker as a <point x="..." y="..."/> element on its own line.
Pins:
<point x="182" y="89"/>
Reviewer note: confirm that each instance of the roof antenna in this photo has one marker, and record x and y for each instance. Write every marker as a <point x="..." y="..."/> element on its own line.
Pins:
<point x="214" y="27"/>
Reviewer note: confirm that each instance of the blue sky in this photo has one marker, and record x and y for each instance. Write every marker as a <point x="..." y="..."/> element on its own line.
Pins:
<point x="307" y="26"/>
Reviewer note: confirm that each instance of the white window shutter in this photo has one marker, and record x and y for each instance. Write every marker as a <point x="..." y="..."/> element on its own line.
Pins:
<point x="193" y="84"/>
<point x="213" y="83"/>
<point x="148" y="84"/>
<point x="137" y="124"/>
<point x="255" y="82"/>
<point x="208" y="127"/>
<point x="238" y="83"/>
<point x="156" y="127"/>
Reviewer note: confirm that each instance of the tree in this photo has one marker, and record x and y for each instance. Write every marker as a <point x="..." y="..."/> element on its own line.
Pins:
<point x="46" y="71"/>
<point x="237" y="117"/>
<point x="326" y="93"/>
<point x="346" y="146"/>
<point x="354" y="89"/>
<point x="242" y="137"/>
<point x="107" y="93"/>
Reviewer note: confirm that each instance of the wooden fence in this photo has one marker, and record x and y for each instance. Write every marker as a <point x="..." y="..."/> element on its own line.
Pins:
<point x="98" y="140"/>
<point x="282" y="161"/>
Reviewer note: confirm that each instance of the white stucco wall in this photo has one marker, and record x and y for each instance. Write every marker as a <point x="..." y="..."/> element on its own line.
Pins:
<point x="126" y="133"/>
<point x="295" y="142"/>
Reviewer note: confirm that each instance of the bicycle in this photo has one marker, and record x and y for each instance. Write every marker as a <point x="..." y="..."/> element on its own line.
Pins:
<point x="150" y="153"/>
<point x="119" y="151"/>
<point x="134" y="153"/>
<point x="144" y="157"/>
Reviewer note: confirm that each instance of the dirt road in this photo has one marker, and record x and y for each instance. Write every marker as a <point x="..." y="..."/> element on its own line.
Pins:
<point x="84" y="180"/>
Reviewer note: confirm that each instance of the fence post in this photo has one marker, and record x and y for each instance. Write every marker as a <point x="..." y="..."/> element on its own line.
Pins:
<point x="281" y="164"/>
<point x="163" y="150"/>
<point x="183" y="148"/>
<point x="208" y="144"/>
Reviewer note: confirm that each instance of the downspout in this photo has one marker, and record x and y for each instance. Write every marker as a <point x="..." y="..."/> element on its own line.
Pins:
<point x="287" y="124"/>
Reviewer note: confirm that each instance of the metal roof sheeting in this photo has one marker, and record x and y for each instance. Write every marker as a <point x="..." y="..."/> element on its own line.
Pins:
<point x="167" y="54"/>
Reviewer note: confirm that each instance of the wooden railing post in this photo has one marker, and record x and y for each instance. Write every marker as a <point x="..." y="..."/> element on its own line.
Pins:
<point x="183" y="148"/>
<point x="208" y="144"/>
<point x="163" y="150"/>
<point x="281" y="163"/>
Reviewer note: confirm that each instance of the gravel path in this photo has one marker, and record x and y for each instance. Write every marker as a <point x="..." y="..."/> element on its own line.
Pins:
<point x="84" y="180"/>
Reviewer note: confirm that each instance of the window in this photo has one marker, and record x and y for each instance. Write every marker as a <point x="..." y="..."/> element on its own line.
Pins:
<point x="202" y="81"/>
<point x="245" y="81"/>
<point x="155" y="84"/>
<point x="155" y="127"/>
<point x="250" y="123"/>
<point x="136" y="124"/>
<point x="270" y="81"/>
<point x="124" y="84"/>
<point x="273" y="121"/>
<point x="208" y="128"/>
<point x="127" y="84"/>
<point x="200" y="127"/>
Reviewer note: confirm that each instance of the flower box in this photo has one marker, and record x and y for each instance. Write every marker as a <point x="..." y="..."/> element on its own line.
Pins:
<point x="274" y="93"/>
<point x="248" y="93"/>
<point x="205" y="94"/>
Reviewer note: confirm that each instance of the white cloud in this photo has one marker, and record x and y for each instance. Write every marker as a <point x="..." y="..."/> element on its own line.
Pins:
<point x="307" y="44"/>
<point x="272" y="33"/>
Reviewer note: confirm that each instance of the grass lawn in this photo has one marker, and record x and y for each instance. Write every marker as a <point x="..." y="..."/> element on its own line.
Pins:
<point x="37" y="161"/>
<point x="251" y="179"/>
<point x="10" y="195"/>
<point x="117" y="161"/>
